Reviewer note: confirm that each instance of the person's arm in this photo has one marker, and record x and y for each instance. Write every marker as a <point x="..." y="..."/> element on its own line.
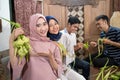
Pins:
<point x="13" y="58"/>
<point x="53" y="63"/>
<point x="93" y="44"/>
<point x="78" y="46"/>
<point x="51" y="58"/>
<point x="107" y="41"/>
<point x="16" y="68"/>
<point x="56" y="61"/>
<point x="14" y="35"/>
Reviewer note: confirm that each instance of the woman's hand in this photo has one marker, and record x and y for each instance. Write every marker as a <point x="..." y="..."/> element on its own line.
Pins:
<point x="49" y="54"/>
<point x="17" y="32"/>
<point x="52" y="60"/>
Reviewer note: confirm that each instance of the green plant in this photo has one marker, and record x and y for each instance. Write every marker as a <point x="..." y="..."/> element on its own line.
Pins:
<point x="86" y="46"/>
<point x="108" y="73"/>
<point x="100" y="46"/>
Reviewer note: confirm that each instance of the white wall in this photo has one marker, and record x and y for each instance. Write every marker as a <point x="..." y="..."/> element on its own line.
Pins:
<point x="4" y="35"/>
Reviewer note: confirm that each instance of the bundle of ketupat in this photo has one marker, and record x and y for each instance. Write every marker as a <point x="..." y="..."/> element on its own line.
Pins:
<point x="21" y="44"/>
<point x="22" y="47"/>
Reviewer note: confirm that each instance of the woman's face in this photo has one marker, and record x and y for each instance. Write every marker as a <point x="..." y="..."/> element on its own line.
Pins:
<point x="53" y="27"/>
<point x="42" y="27"/>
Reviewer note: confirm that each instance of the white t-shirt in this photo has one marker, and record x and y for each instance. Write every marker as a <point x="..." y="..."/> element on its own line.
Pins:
<point x="69" y="41"/>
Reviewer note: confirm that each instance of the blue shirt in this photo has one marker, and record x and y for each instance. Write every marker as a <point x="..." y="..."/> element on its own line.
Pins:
<point x="112" y="51"/>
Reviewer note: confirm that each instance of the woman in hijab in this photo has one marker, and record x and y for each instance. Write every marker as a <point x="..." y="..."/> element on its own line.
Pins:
<point x="44" y="61"/>
<point x="55" y="35"/>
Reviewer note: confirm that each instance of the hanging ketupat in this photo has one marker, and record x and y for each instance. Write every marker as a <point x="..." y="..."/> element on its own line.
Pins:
<point x="21" y="44"/>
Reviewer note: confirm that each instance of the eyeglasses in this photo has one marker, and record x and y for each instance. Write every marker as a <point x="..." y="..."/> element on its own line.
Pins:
<point x="42" y="24"/>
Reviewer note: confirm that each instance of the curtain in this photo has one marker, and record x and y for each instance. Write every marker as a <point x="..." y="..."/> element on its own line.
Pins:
<point x="24" y="9"/>
<point x="0" y="25"/>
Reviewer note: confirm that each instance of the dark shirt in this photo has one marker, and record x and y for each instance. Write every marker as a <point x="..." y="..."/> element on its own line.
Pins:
<point x="112" y="51"/>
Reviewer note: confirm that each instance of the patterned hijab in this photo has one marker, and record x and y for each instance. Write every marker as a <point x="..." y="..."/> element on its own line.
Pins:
<point x="53" y="37"/>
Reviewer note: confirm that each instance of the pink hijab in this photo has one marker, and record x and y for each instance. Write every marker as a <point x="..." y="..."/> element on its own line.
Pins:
<point x="32" y="25"/>
<point x="34" y="36"/>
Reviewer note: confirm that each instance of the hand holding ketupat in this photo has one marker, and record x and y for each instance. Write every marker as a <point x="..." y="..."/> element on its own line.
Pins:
<point x="21" y="42"/>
